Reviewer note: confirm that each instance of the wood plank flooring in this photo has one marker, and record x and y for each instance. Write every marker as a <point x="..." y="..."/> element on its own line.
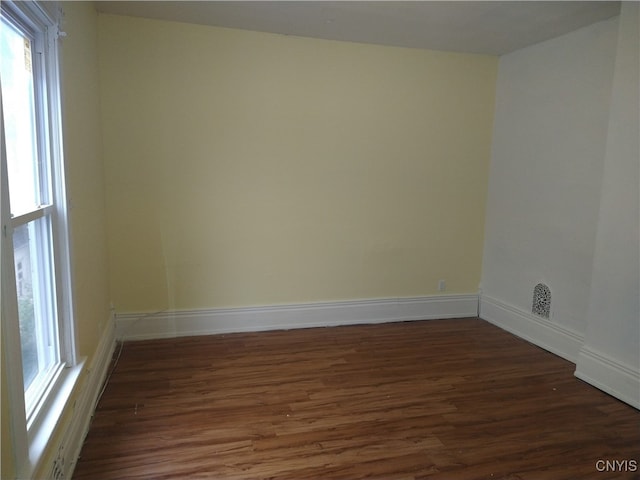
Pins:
<point x="458" y="399"/>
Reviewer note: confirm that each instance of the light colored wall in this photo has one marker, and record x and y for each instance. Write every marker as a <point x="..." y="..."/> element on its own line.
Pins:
<point x="563" y="201"/>
<point x="248" y="168"/>
<point x="85" y="173"/>
<point x="85" y="183"/>
<point x="613" y="320"/>
<point x="552" y="111"/>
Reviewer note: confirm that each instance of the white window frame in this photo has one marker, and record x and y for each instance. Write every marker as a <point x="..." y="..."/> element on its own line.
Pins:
<point x="32" y="431"/>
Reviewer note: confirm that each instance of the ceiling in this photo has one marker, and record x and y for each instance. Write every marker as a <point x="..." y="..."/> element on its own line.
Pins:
<point x="493" y="28"/>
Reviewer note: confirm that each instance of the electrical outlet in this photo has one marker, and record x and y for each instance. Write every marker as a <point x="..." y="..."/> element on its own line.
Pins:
<point x="442" y="285"/>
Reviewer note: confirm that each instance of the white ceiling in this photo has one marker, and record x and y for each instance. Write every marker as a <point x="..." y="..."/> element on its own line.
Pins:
<point x="495" y="28"/>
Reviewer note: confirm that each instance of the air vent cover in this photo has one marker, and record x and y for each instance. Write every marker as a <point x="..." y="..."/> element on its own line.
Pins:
<point x="541" y="301"/>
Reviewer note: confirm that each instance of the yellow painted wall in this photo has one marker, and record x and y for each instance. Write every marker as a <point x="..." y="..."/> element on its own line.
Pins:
<point x="247" y="168"/>
<point x="85" y="184"/>
<point x="85" y="173"/>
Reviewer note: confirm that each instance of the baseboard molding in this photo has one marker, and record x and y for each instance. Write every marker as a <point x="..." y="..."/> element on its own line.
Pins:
<point x="609" y="375"/>
<point x="85" y="404"/>
<point x="168" y="324"/>
<point x="555" y="338"/>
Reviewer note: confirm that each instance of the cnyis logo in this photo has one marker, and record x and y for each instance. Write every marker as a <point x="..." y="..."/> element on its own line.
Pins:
<point x="617" y="465"/>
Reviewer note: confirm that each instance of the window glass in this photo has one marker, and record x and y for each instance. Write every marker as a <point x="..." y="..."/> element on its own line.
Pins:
<point x="35" y="309"/>
<point x="16" y="66"/>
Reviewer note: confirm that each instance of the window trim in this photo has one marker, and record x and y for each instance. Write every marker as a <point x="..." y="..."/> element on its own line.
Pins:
<point x="32" y="435"/>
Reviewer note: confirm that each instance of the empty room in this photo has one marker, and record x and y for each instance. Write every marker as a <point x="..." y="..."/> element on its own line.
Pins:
<point x="300" y="240"/>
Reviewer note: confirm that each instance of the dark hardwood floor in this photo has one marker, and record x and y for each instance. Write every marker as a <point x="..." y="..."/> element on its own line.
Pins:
<point x="458" y="399"/>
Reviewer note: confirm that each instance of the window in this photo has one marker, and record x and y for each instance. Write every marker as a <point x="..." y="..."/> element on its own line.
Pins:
<point x="36" y="294"/>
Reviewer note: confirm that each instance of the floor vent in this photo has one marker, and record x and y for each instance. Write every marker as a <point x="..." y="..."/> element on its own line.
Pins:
<point x="541" y="301"/>
<point x="58" y="470"/>
<point x="57" y="473"/>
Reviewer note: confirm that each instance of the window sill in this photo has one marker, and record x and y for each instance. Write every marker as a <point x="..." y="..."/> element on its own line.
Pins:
<point x="44" y="431"/>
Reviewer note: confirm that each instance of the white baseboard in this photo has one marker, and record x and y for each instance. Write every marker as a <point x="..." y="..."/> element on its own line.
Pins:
<point x="609" y="375"/>
<point x="555" y="338"/>
<point x="168" y="324"/>
<point x="85" y="404"/>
